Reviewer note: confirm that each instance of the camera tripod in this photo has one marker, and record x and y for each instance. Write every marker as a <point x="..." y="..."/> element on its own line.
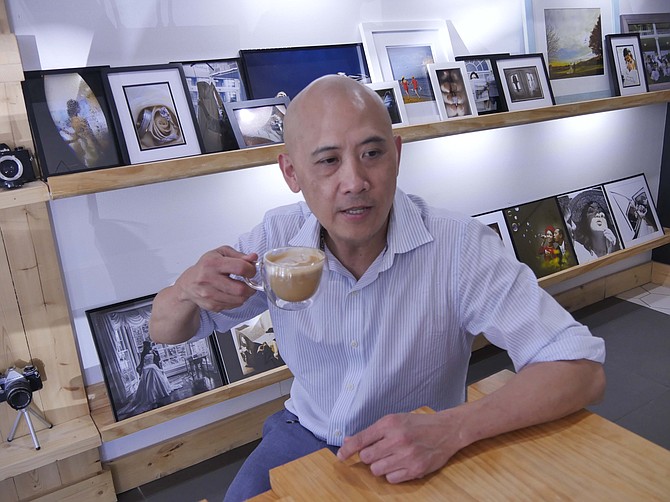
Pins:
<point x="25" y="412"/>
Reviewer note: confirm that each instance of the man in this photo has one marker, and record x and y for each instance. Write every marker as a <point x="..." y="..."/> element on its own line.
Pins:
<point x="408" y="288"/>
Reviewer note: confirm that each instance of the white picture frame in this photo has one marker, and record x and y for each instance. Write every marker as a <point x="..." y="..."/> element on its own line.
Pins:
<point x="567" y="56"/>
<point x="495" y="220"/>
<point x="524" y="81"/>
<point x="391" y="95"/>
<point x="400" y="50"/>
<point x="453" y="93"/>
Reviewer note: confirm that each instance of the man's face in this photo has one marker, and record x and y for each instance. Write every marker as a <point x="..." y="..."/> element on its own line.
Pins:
<point x="344" y="159"/>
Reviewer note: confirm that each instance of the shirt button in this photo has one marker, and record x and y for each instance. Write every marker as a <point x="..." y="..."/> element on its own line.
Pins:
<point x="354" y="343"/>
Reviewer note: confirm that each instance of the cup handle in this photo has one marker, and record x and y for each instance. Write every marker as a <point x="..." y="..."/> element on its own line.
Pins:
<point x="252" y="284"/>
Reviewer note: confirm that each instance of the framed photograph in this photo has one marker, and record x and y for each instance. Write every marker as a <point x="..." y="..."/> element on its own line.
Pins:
<point x="525" y="82"/>
<point x="153" y="112"/>
<point x="590" y="223"/>
<point x="452" y="92"/>
<point x="624" y="57"/>
<point x="210" y="84"/>
<point x="71" y="121"/>
<point x="539" y="236"/>
<point x="258" y="122"/>
<point x="654" y="31"/>
<point x="634" y="210"/>
<point x="495" y="220"/>
<point x="392" y="97"/>
<point x="570" y="34"/>
<point x="289" y="70"/>
<point x="484" y="82"/>
<point x="141" y="375"/>
<point x="400" y="51"/>
<point x="249" y="348"/>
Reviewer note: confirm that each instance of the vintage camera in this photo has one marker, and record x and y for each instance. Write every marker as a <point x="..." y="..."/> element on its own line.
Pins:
<point x="16" y="167"/>
<point x="17" y="388"/>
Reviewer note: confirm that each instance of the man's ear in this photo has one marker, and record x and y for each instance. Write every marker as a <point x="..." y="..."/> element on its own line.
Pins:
<point x="288" y="171"/>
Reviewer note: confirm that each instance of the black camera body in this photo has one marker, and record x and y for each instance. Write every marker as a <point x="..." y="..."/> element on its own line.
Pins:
<point x="17" y="388"/>
<point x="16" y="166"/>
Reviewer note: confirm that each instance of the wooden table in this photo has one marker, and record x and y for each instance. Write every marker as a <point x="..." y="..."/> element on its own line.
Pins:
<point x="580" y="457"/>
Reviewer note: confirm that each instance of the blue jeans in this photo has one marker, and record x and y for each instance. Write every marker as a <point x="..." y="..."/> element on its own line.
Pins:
<point x="284" y="439"/>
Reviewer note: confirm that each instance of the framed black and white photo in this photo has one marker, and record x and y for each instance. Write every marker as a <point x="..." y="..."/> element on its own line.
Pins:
<point x="590" y="223"/>
<point x="570" y="34"/>
<point x="141" y="375"/>
<point x="525" y="82"/>
<point x="249" y="348"/>
<point x="624" y="57"/>
<point x="634" y="210"/>
<point x="400" y="50"/>
<point x="484" y="82"/>
<point x="210" y="84"/>
<point x="452" y="92"/>
<point x="71" y="121"/>
<point x="654" y="31"/>
<point x="495" y="220"/>
<point x="391" y="95"/>
<point x="153" y="112"/>
<point x="539" y="236"/>
<point x="258" y="122"/>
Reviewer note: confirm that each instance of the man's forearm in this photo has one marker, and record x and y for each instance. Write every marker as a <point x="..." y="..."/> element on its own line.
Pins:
<point x="172" y="320"/>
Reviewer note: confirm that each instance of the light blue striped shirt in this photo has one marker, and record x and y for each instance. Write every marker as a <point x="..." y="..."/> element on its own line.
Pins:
<point x="400" y="337"/>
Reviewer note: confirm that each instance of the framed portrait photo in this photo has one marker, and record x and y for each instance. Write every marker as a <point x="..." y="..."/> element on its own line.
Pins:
<point x="249" y="348"/>
<point x="71" y="121"/>
<point x="391" y="95"/>
<point x="258" y="122"/>
<point x="571" y="34"/>
<point x="590" y="223"/>
<point x="524" y="81"/>
<point x="210" y="84"/>
<point x="141" y="375"/>
<point x="634" y="210"/>
<point x="539" y="236"/>
<point x="495" y="220"/>
<point x="484" y="82"/>
<point x="654" y="32"/>
<point x="400" y="51"/>
<point x="625" y="64"/>
<point x="153" y="112"/>
<point x="453" y="94"/>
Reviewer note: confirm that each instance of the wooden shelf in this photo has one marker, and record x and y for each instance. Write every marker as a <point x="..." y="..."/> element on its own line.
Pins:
<point x="60" y="442"/>
<point x="35" y="191"/>
<point x="155" y="172"/>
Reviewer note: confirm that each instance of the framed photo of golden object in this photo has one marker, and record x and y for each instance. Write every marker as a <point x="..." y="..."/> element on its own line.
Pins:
<point x="654" y="31"/>
<point x="153" y="112"/>
<point x="625" y="64"/>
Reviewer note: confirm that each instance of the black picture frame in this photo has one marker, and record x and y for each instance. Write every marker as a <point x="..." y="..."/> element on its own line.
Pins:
<point x="290" y="69"/>
<point x="210" y="84"/>
<point x="258" y="122"/>
<point x="152" y="112"/>
<point x="654" y="34"/>
<point x="485" y="83"/>
<point x="71" y="121"/>
<point x="249" y="348"/>
<point x="141" y="375"/>
<point x="624" y="56"/>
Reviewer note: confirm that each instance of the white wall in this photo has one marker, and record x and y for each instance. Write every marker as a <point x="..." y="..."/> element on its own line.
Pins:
<point x="123" y="244"/>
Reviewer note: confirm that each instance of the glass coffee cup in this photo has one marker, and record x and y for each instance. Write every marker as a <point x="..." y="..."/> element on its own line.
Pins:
<point x="290" y="276"/>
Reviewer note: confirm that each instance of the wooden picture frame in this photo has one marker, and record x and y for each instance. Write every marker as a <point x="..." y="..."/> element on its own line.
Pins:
<point x="495" y="220"/>
<point x="211" y="83"/>
<point x="654" y="39"/>
<point x="71" y="121"/>
<point x="484" y="81"/>
<point x="400" y="50"/>
<point x="391" y="95"/>
<point x="525" y="81"/>
<point x="153" y="112"/>
<point x="258" y="122"/>
<point x="249" y="348"/>
<point x="571" y="36"/>
<point x="452" y="91"/>
<point x="634" y="210"/>
<point x="624" y="56"/>
<point x="141" y="375"/>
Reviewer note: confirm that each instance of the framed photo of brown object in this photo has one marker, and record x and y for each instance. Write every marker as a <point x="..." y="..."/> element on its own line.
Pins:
<point x="654" y="31"/>
<point x="258" y="122"/>
<point x="453" y="94"/>
<point x="525" y="81"/>
<point x="153" y="112"/>
<point x="625" y="64"/>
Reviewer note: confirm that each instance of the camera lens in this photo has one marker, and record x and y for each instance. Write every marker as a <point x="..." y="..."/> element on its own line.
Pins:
<point x="19" y="394"/>
<point x="11" y="168"/>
